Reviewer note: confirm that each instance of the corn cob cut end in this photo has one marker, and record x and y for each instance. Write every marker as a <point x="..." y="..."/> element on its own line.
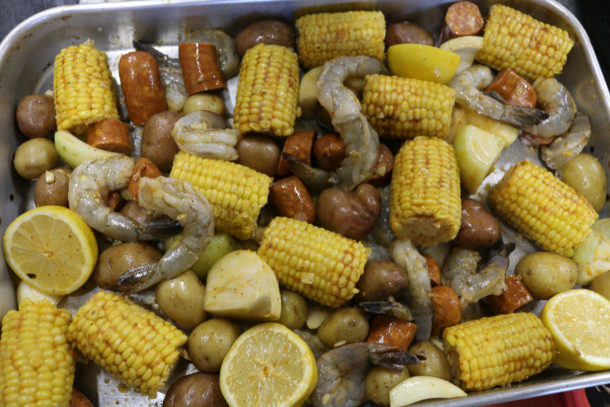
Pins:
<point x="325" y="36"/>
<point x="426" y="209"/>
<point x="543" y="208"/>
<point x="131" y="343"/>
<point x="405" y="107"/>
<point x="498" y="350"/>
<point x="28" y="375"/>
<point x="83" y="90"/>
<point x="321" y="265"/>
<point x="530" y="47"/>
<point x="267" y="91"/>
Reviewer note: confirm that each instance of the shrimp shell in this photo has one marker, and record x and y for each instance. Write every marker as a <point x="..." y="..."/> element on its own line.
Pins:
<point x="567" y="146"/>
<point x="558" y="103"/>
<point x="361" y="140"/>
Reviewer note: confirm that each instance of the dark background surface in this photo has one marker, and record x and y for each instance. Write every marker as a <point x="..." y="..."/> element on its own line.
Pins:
<point x="593" y="14"/>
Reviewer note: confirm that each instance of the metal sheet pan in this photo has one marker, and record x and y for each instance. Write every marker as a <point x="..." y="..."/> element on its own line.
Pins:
<point x="26" y="57"/>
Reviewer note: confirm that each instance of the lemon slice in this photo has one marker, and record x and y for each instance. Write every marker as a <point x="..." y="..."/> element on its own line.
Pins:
<point x="423" y="62"/>
<point x="268" y="365"/>
<point x="51" y="248"/>
<point x="579" y="321"/>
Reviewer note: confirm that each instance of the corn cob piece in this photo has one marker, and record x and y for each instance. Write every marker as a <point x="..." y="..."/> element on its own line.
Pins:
<point x="267" y="91"/>
<point x="82" y="88"/>
<point x="498" y="350"/>
<point x="36" y="361"/>
<point x="325" y="36"/>
<point x="530" y="47"/>
<point x="425" y="203"/>
<point x="236" y="193"/>
<point x="543" y="208"/>
<point x="405" y="108"/>
<point x="131" y="343"/>
<point x="313" y="261"/>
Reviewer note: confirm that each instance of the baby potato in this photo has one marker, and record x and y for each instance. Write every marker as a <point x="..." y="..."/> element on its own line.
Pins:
<point x="601" y="284"/>
<point x="181" y="300"/>
<point x="435" y="365"/>
<point x="345" y="325"/>
<point x="34" y="157"/>
<point x="380" y="380"/>
<point x="195" y="390"/>
<point x="204" y="101"/>
<point x="586" y="175"/>
<point x="546" y="274"/>
<point x="119" y="259"/>
<point x="294" y="310"/>
<point x="209" y="343"/>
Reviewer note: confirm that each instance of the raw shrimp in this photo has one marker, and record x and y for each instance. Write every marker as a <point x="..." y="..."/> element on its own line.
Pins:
<point x="460" y="273"/>
<point x="567" y="146"/>
<point x="556" y="100"/>
<point x="342" y="370"/>
<point x="405" y="254"/>
<point x="180" y="201"/>
<point x="226" y="52"/>
<point x="194" y="134"/>
<point x="90" y="184"/>
<point x="171" y="76"/>
<point x="467" y="85"/>
<point x="361" y="140"/>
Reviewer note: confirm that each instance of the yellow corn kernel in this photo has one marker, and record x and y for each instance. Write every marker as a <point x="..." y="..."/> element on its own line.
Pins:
<point x="498" y="350"/>
<point x="325" y="36"/>
<point x="267" y="91"/>
<point x="425" y="203"/>
<point x="530" y="47"/>
<point x="83" y="90"/>
<point x="313" y="261"/>
<point x="235" y="192"/>
<point x="129" y="342"/>
<point x="543" y="208"/>
<point x="405" y="108"/>
<point x="36" y="361"/>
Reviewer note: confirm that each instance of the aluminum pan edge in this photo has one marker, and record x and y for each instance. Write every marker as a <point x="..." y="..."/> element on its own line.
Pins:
<point x="112" y="25"/>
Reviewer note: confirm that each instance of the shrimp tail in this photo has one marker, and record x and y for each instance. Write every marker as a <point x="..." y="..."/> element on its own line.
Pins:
<point x="389" y="308"/>
<point x="395" y="359"/>
<point x="524" y="116"/>
<point x="315" y="179"/>
<point x="134" y="280"/>
<point x="159" y="228"/>
<point x="158" y="55"/>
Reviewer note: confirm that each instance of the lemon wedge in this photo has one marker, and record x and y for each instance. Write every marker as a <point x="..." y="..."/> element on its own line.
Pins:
<point x="51" y="248"/>
<point x="579" y="321"/>
<point x="268" y="365"/>
<point x="423" y="62"/>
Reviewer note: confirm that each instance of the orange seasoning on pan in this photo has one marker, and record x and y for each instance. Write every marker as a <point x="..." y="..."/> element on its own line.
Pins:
<point x="199" y="67"/>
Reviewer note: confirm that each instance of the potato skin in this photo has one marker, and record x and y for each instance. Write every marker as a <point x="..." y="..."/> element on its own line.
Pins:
<point x="209" y="343"/>
<point x="587" y="176"/>
<point x="406" y="32"/>
<point x="435" y="365"/>
<point x="380" y="280"/>
<point x="181" y="300"/>
<point x="479" y="228"/>
<point x="36" y="116"/>
<point x="546" y="274"/>
<point x="294" y="310"/>
<point x="118" y="259"/>
<point x="259" y="153"/>
<point x="51" y="188"/>
<point x="264" y="31"/>
<point x="347" y="324"/>
<point x="195" y="390"/>
<point x="157" y="142"/>
<point x="601" y="284"/>
<point x="380" y="380"/>
<point x="34" y="157"/>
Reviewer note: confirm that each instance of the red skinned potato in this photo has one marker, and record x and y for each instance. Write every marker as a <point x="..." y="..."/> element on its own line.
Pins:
<point x="380" y="280"/>
<point x="406" y="32"/>
<point x="266" y="32"/>
<point x="36" y="116"/>
<point x="383" y="167"/>
<point x="352" y="214"/>
<point x="479" y="228"/>
<point x="158" y="145"/>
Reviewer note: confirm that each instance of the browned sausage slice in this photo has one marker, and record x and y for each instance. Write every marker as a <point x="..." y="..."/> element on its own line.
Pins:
<point x="299" y="145"/>
<point x="110" y="135"/>
<point x="514" y="89"/>
<point x="462" y="18"/>
<point x="141" y="84"/>
<point x="199" y="67"/>
<point x="291" y="198"/>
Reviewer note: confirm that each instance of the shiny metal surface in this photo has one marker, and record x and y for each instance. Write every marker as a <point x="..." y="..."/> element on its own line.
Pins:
<point x="26" y="57"/>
